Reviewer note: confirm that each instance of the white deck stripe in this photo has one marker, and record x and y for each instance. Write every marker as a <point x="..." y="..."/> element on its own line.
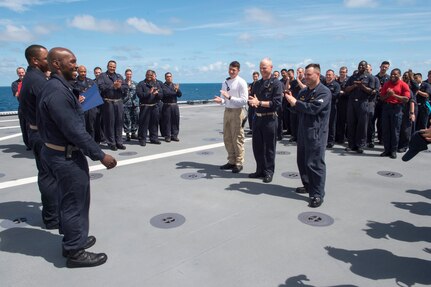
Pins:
<point x="4" y="121"/>
<point x="33" y="179"/>
<point x="11" y="127"/>
<point x="10" y="137"/>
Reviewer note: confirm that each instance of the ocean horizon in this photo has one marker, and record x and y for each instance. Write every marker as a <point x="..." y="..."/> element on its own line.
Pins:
<point x="191" y="92"/>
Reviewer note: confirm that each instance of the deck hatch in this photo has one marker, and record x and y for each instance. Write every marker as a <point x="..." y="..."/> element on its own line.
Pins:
<point x="392" y="174"/>
<point x="167" y="220"/>
<point x="192" y="175"/>
<point x="290" y="174"/>
<point x="315" y="219"/>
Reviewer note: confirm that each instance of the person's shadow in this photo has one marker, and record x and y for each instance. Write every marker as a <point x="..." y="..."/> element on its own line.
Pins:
<point x="33" y="242"/>
<point x="19" y="150"/>
<point x="398" y="230"/>
<point x="27" y="212"/>
<point x="424" y="193"/>
<point x="297" y="281"/>
<point x="256" y="188"/>
<point x="420" y="208"/>
<point x="377" y="264"/>
<point x="211" y="171"/>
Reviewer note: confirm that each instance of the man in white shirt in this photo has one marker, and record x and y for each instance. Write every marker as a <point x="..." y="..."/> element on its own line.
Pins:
<point x="233" y="95"/>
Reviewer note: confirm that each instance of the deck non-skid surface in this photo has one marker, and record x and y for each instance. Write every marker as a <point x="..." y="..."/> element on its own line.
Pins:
<point x="237" y="231"/>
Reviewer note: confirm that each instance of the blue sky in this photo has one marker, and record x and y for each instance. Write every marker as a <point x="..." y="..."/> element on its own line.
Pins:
<point x="196" y="40"/>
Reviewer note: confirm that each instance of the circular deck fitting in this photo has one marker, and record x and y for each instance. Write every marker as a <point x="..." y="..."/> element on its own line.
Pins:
<point x="192" y="175"/>
<point x="283" y="152"/>
<point x="94" y="176"/>
<point x="212" y="139"/>
<point x="315" y="219"/>
<point x="2" y="175"/>
<point x="128" y="153"/>
<point x="167" y="220"/>
<point x="205" y="152"/>
<point x="392" y="174"/>
<point x="290" y="174"/>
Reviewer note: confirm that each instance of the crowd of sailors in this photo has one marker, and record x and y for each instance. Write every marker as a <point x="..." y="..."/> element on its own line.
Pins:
<point x="316" y="111"/>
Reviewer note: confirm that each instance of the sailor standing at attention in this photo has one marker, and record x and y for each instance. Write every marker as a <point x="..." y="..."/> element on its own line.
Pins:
<point x="32" y="85"/>
<point x="266" y="98"/>
<point x="313" y="107"/>
<point x="233" y="94"/>
<point x="62" y="128"/>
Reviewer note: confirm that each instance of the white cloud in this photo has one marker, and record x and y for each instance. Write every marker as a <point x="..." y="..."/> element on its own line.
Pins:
<point x="296" y="65"/>
<point x="12" y="33"/>
<point x="259" y="15"/>
<point x="217" y="66"/>
<point x="24" y="5"/>
<point x="42" y="30"/>
<point x="360" y="3"/>
<point x="250" y="65"/>
<point x="89" y="23"/>
<point x="147" y="27"/>
<point x="208" y="26"/>
<point x="166" y="67"/>
<point x="245" y="37"/>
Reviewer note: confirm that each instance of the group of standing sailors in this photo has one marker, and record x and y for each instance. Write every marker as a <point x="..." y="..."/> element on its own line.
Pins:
<point x="137" y="108"/>
<point x="361" y="113"/>
<point x="51" y="93"/>
<point x="317" y="111"/>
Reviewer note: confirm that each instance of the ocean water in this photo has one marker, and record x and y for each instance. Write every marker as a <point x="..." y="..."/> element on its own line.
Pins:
<point x="191" y="92"/>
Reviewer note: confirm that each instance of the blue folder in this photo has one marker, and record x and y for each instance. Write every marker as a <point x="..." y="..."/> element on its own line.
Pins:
<point x="92" y="98"/>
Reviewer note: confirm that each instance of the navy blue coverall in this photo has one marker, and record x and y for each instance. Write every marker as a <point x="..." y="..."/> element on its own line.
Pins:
<point x="357" y="111"/>
<point x="313" y="108"/>
<point x="62" y="123"/>
<point x="112" y="107"/>
<point x="32" y="86"/>
<point x="170" y="120"/>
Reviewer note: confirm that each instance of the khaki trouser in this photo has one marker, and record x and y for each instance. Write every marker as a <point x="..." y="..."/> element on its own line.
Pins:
<point x="233" y="135"/>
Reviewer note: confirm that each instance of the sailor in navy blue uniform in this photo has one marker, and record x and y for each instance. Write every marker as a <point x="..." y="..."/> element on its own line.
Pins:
<point x="82" y="84"/>
<point x="170" y="124"/>
<point x="62" y="128"/>
<point x="372" y="102"/>
<point x="423" y="96"/>
<point x="32" y="85"/>
<point x="112" y="87"/>
<point x="359" y="87"/>
<point x="313" y="107"/>
<point x="266" y="98"/>
<point x="335" y="88"/>
<point x="149" y="92"/>
<point x="341" y="133"/>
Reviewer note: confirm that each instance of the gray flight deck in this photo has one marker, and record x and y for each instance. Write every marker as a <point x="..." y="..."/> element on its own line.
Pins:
<point x="168" y="216"/>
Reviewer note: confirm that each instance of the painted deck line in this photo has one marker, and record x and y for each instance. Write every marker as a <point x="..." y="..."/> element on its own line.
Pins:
<point x="33" y="179"/>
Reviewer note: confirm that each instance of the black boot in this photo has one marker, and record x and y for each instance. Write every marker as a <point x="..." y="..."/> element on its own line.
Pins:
<point x="82" y="258"/>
